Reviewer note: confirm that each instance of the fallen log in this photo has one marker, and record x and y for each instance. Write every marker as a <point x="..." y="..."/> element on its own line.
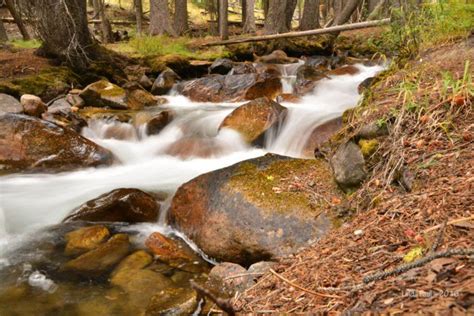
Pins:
<point x="94" y="21"/>
<point x="332" y="29"/>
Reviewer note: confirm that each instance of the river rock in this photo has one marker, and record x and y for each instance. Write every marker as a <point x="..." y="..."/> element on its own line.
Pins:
<point x="255" y="210"/>
<point x="321" y="134"/>
<point x="306" y="79"/>
<point x="345" y="70"/>
<point x="349" y="166"/>
<point x="137" y="99"/>
<point x="173" y="301"/>
<point x="288" y="97"/>
<point x="243" y="68"/>
<point x="364" y="85"/>
<point x="230" y="278"/>
<point x="193" y="146"/>
<point x="136" y="261"/>
<point x="119" y="205"/>
<point x="254" y="118"/>
<point x="156" y="124"/>
<point x="32" y="105"/>
<point x="85" y="239"/>
<point x="268" y="70"/>
<point x="166" y="248"/>
<point x="9" y="104"/>
<point x="75" y="100"/>
<point x="373" y="130"/>
<point x="276" y="57"/>
<point x="101" y="259"/>
<point x="230" y="88"/>
<point x="319" y="62"/>
<point x="258" y="269"/>
<point x="104" y="94"/>
<point x="221" y="66"/>
<point x="145" y="82"/>
<point x="29" y="143"/>
<point x="61" y="113"/>
<point x="165" y="82"/>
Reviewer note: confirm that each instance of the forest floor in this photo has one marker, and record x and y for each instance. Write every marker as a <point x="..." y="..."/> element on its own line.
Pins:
<point x="428" y="106"/>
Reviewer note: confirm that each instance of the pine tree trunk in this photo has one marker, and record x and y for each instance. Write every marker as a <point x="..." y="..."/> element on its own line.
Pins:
<point x="346" y="12"/>
<point x="310" y="18"/>
<point x="249" y="25"/>
<point x="180" y="16"/>
<point x="3" y="33"/>
<point x="276" y="17"/>
<point x="223" y="19"/>
<point x="289" y="12"/>
<point x="139" y="15"/>
<point x="17" y="17"/>
<point x="105" y="28"/>
<point x="160" y="18"/>
<point x="244" y="11"/>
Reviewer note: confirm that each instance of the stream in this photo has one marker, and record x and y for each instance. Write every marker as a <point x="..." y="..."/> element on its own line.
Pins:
<point x="30" y="204"/>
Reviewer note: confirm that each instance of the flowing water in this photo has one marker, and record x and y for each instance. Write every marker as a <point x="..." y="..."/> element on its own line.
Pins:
<point x="30" y="202"/>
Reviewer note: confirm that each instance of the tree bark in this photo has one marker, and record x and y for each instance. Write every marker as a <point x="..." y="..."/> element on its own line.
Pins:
<point x="346" y="12"/>
<point x="244" y="11"/>
<point x="105" y="28"/>
<point x="63" y="29"/>
<point x="310" y="18"/>
<point x="249" y="25"/>
<point x="17" y="17"/>
<point x="223" y="19"/>
<point x="160" y="18"/>
<point x="276" y="17"/>
<point x="3" y="33"/>
<point x="289" y="12"/>
<point x="181" y="16"/>
<point x="139" y="15"/>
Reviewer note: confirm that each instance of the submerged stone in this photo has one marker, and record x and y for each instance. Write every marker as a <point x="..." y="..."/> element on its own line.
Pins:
<point x="85" y="239"/>
<point x="173" y="301"/>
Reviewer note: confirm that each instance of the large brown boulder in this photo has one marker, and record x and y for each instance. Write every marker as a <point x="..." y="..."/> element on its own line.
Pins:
<point x="276" y="57"/>
<point x="254" y="118"/>
<point x="321" y="134"/>
<point x="28" y="143"/>
<point x="120" y="205"/>
<point x="231" y="88"/>
<point x="257" y="209"/>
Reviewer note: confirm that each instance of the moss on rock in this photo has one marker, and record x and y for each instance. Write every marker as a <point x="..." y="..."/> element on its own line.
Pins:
<point x="368" y="147"/>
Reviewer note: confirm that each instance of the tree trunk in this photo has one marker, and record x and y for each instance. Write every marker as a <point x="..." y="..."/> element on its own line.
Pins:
<point x="105" y="28"/>
<point x="244" y="11"/>
<point x="3" y="33"/>
<point x="346" y="12"/>
<point x="17" y="17"/>
<point x="289" y="12"/>
<point x="276" y="17"/>
<point x="139" y="15"/>
<point x="211" y="8"/>
<point x="160" y="18"/>
<point x="249" y="25"/>
<point x="310" y="18"/>
<point x="62" y="27"/>
<point x="223" y="19"/>
<point x="265" y="5"/>
<point x="181" y="16"/>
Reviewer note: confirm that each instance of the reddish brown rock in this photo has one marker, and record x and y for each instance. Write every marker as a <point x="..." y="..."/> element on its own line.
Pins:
<point x="166" y="248"/>
<point x="321" y="134"/>
<point x="306" y="78"/>
<point x="345" y="70"/>
<point x="158" y="122"/>
<point x="193" y="147"/>
<point x="28" y="143"/>
<point x="254" y="118"/>
<point x="85" y="239"/>
<point x="165" y="82"/>
<point x="249" y="212"/>
<point x="120" y="205"/>
<point x="288" y="97"/>
<point x="276" y="57"/>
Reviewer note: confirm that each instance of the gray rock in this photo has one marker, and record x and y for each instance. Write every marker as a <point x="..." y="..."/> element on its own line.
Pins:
<point x="221" y="66"/>
<point x="9" y="104"/>
<point x="349" y="166"/>
<point x="230" y="277"/>
<point x="145" y="82"/>
<point x="372" y="130"/>
<point x="260" y="268"/>
<point x="165" y="82"/>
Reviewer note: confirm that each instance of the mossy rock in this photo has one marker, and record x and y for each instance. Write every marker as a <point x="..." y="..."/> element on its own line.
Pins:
<point x="48" y="84"/>
<point x="258" y="209"/>
<point x="177" y="63"/>
<point x="368" y="147"/>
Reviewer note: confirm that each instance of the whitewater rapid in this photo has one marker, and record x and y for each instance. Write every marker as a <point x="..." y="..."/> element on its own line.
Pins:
<point x="29" y="202"/>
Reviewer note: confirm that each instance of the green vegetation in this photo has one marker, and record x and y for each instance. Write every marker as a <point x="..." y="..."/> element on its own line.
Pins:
<point x="19" y="43"/>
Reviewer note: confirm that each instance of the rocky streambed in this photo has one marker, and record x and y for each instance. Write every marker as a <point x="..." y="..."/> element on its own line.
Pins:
<point x="114" y="198"/>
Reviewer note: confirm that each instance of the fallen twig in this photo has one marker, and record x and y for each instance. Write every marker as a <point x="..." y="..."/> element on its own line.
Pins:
<point x="223" y="304"/>
<point x="452" y="222"/>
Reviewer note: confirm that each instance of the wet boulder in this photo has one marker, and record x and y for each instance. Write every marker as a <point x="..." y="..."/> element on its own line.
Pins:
<point x="32" y="105"/>
<point x="348" y="165"/>
<point x="165" y="82"/>
<point x="28" y="143"/>
<point x="276" y="57"/>
<point x="268" y="70"/>
<point x="257" y="209"/>
<point x="364" y="85"/>
<point x="9" y="104"/>
<point x="137" y="99"/>
<point x="321" y="134"/>
<point x="173" y="301"/>
<point x="156" y="124"/>
<point x="288" y="97"/>
<point x="101" y="259"/>
<point x="221" y="66"/>
<point x="254" y="118"/>
<point x="167" y="249"/>
<point x="145" y="82"/>
<point x="104" y="94"/>
<point x="344" y="70"/>
<point x="306" y="79"/>
<point x="230" y="88"/>
<point x="193" y="146"/>
<point x="84" y="239"/>
<point x="119" y="205"/>
<point x="62" y="113"/>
